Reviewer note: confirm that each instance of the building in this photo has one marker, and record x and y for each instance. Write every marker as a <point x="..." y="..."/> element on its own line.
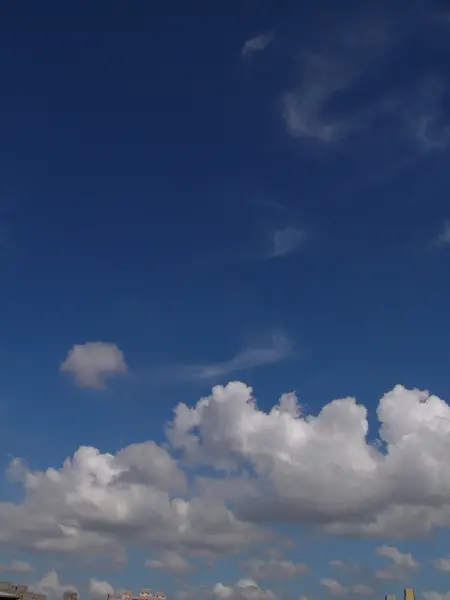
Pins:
<point x="144" y="594"/>
<point x="70" y="595"/>
<point x="10" y="591"/>
<point x="409" y="594"/>
<point x="389" y="597"/>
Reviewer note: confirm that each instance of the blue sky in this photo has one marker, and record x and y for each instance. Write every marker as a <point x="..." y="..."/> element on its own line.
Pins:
<point x="193" y="195"/>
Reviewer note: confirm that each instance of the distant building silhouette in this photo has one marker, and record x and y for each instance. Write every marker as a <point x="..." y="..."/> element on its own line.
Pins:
<point x="10" y="591"/>
<point x="408" y="594"/>
<point x="389" y="597"/>
<point x="70" y="595"/>
<point x="144" y="594"/>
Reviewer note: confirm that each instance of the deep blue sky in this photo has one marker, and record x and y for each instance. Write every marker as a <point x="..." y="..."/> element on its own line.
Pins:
<point x="146" y="166"/>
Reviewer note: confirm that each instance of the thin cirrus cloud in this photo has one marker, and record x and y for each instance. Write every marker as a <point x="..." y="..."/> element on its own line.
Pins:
<point x="442" y="240"/>
<point x="93" y="363"/>
<point x="347" y="53"/>
<point x="277" y="348"/>
<point x="257" y="43"/>
<point x="286" y="241"/>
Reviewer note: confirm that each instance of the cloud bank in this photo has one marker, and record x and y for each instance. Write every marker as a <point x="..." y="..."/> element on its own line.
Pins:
<point x="269" y="466"/>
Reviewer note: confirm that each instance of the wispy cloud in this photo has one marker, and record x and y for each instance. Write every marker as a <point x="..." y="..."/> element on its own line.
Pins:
<point x="340" y="91"/>
<point x="442" y="240"/>
<point x="276" y="349"/>
<point x="400" y="566"/>
<point x="331" y="68"/>
<point x="17" y="566"/>
<point x="257" y="43"/>
<point x="287" y="241"/>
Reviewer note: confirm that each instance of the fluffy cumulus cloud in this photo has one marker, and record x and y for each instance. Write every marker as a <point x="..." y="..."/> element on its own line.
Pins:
<point x="92" y="363"/>
<point x="51" y="586"/>
<point x="261" y="467"/>
<point x="245" y="589"/>
<point x="398" y="487"/>
<point x="99" y="589"/>
<point x="96" y="501"/>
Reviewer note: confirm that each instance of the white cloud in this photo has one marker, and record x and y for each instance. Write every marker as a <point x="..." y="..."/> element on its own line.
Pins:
<point x="402" y="559"/>
<point x="97" y="501"/>
<point x="442" y="564"/>
<point x="245" y="589"/>
<point x="51" y="586"/>
<point x="296" y="460"/>
<point x="258" y="43"/>
<point x="287" y="241"/>
<point x="265" y="467"/>
<point x="92" y="363"/>
<point x="99" y="589"/>
<point x="400" y="567"/>
<point x="274" y="350"/>
<point x="272" y="568"/>
<point x="337" y="589"/>
<point x="170" y="561"/>
<point x="17" y="566"/>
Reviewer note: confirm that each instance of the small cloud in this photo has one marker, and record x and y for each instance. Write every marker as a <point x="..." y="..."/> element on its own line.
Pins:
<point x="17" y="566"/>
<point x="287" y="241"/>
<point x="273" y="568"/>
<point x="336" y="564"/>
<point x="400" y="567"/>
<point x="436" y="596"/>
<point x="442" y="240"/>
<point x="337" y="589"/>
<point x="258" y="43"/>
<point x="92" y="363"/>
<point x="99" y="589"/>
<point x="277" y="349"/>
<point x="170" y="561"/>
<point x="442" y="564"/>
<point x="51" y="586"/>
